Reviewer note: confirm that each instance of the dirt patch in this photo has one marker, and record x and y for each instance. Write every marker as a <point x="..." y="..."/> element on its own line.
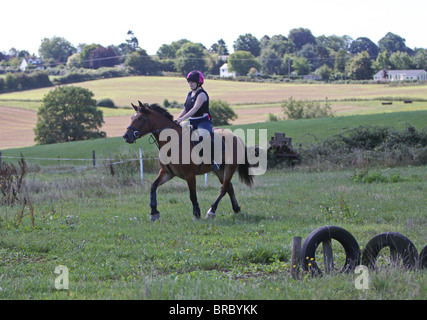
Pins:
<point x="16" y="127"/>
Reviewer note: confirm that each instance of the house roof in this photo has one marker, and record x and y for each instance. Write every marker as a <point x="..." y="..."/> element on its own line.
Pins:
<point x="409" y="73"/>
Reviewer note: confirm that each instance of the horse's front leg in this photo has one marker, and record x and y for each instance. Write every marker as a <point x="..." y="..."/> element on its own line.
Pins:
<point x="161" y="179"/>
<point x="191" y="182"/>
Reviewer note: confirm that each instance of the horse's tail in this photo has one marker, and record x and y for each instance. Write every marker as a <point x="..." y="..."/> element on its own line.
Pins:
<point x="243" y="170"/>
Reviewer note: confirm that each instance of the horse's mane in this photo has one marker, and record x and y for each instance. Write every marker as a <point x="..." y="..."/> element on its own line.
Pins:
<point x="162" y="111"/>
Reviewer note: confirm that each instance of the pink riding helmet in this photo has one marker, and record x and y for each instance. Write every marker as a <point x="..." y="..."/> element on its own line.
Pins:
<point x="196" y="76"/>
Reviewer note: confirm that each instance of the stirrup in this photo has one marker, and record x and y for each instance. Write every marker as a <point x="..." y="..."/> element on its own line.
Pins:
<point x="215" y="166"/>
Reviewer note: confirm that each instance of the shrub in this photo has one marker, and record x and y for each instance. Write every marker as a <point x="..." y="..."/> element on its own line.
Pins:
<point x="107" y="103"/>
<point x="221" y="113"/>
<point x="371" y="144"/>
<point x="301" y="109"/>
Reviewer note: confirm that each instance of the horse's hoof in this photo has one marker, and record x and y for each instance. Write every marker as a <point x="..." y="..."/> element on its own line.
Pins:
<point x="210" y="214"/>
<point x="155" y="216"/>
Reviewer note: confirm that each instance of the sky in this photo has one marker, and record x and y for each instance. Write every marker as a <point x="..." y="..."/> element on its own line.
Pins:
<point x="24" y="23"/>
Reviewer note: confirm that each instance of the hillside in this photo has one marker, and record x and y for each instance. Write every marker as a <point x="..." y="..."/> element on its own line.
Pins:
<point x="251" y="101"/>
<point x="302" y="132"/>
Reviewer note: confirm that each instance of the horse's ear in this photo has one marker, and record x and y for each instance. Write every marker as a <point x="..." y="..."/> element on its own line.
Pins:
<point x="134" y="106"/>
<point x="143" y="105"/>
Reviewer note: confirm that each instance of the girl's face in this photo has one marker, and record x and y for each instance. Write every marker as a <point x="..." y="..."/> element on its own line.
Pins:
<point x="193" y="85"/>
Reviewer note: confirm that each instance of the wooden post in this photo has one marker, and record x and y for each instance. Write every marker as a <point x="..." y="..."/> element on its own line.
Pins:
<point x="93" y="158"/>
<point x="327" y="256"/>
<point x="141" y="166"/>
<point x="295" y="257"/>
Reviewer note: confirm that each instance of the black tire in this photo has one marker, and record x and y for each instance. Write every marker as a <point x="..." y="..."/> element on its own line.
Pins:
<point x="326" y="233"/>
<point x="422" y="259"/>
<point x="400" y="248"/>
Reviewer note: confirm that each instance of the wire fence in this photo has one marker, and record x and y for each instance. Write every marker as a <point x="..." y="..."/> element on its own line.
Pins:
<point x="95" y="163"/>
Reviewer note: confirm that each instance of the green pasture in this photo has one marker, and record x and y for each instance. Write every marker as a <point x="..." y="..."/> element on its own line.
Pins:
<point x="303" y="132"/>
<point x="98" y="227"/>
<point x="95" y="220"/>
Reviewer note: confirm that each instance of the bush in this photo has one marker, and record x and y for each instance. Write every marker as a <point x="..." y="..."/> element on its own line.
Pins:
<point x="221" y="113"/>
<point x="301" y="109"/>
<point x="23" y="81"/>
<point x="107" y="103"/>
<point x="371" y="144"/>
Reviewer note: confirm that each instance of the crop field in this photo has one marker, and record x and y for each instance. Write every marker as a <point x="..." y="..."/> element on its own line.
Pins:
<point x="78" y="231"/>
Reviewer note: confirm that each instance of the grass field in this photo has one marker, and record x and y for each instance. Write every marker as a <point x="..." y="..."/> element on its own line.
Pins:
<point x="97" y="225"/>
<point x="99" y="229"/>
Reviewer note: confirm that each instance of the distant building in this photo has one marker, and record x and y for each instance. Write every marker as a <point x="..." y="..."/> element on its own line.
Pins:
<point x="401" y="75"/>
<point x="225" y="73"/>
<point x="31" y="62"/>
<point x="312" y="77"/>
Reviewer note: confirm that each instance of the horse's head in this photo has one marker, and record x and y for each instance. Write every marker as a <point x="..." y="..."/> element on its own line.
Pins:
<point x="139" y="125"/>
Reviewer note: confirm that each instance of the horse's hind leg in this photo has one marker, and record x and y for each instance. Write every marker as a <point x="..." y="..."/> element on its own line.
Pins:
<point x="161" y="179"/>
<point x="234" y="203"/>
<point x="236" y="207"/>
<point x="226" y="187"/>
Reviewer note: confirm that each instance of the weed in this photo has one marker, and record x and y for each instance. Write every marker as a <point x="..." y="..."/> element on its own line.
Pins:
<point x="338" y="210"/>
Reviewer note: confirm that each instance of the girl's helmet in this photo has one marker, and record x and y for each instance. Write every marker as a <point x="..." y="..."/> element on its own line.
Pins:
<point x="196" y="76"/>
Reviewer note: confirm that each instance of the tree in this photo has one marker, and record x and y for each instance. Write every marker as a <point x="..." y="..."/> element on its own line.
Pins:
<point x="85" y="54"/>
<point x="301" y="37"/>
<point x="392" y="43"/>
<point x="271" y="62"/>
<point x="169" y="50"/>
<point x="361" y="67"/>
<point x="56" y="48"/>
<point x="401" y="61"/>
<point x="220" y="48"/>
<point x="420" y="58"/>
<point x="103" y="57"/>
<point x="221" y="113"/>
<point x="364" y="44"/>
<point x="242" y="61"/>
<point x="191" y="56"/>
<point x="301" y="65"/>
<point x="382" y="62"/>
<point x="68" y="114"/>
<point x="248" y="43"/>
<point x="324" y="72"/>
<point x="340" y="61"/>
<point x="280" y="44"/>
<point x="132" y="41"/>
<point x="140" y="63"/>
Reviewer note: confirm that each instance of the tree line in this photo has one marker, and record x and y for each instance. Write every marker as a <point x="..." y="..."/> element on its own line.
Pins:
<point x="292" y="56"/>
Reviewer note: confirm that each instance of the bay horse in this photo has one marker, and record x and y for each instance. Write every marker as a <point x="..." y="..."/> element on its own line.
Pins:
<point x="153" y="119"/>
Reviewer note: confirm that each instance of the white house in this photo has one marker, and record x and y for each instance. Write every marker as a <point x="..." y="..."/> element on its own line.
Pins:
<point x="31" y="61"/>
<point x="224" y="73"/>
<point x="401" y="75"/>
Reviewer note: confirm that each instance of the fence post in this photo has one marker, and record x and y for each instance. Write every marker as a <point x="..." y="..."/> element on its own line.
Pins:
<point x="141" y="166"/>
<point x="93" y="158"/>
<point x="295" y="257"/>
<point x="206" y="179"/>
<point x="0" y="159"/>
<point x="327" y="256"/>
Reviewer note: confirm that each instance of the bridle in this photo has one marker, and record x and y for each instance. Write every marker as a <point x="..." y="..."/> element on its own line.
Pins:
<point x="138" y="134"/>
